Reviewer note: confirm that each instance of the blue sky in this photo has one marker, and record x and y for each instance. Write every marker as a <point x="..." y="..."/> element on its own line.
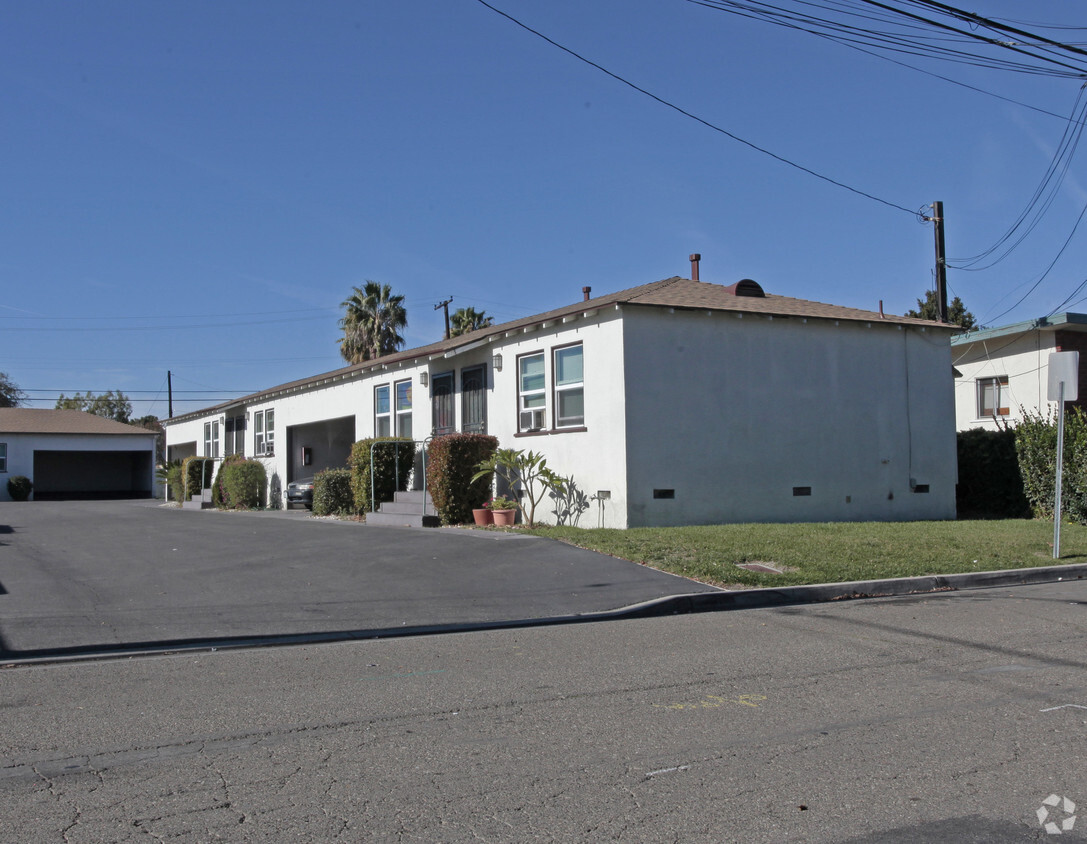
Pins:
<point x="196" y="187"/>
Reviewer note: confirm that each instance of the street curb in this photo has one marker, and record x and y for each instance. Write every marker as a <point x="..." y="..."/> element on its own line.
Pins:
<point x="852" y="590"/>
<point x="686" y="604"/>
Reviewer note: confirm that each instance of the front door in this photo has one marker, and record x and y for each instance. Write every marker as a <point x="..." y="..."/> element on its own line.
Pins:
<point x="441" y="399"/>
<point x="473" y="387"/>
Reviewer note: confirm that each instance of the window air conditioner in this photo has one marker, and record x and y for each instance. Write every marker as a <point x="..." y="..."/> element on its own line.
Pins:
<point x="532" y="420"/>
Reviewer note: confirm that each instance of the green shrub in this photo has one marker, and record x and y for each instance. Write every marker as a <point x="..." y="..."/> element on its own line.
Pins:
<point x="220" y="497"/>
<point x="172" y="474"/>
<point x="191" y="474"/>
<point x="243" y="483"/>
<point x="451" y="463"/>
<point x="386" y="459"/>
<point x="1036" y="445"/>
<point x="19" y="488"/>
<point x="332" y="494"/>
<point x="990" y="484"/>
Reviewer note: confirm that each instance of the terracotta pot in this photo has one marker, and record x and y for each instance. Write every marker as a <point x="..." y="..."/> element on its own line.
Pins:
<point x="504" y="518"/>
<point x="482" y="516"/>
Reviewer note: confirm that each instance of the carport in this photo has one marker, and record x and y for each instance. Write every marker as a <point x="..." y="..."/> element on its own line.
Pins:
<point x="70" y="454"/>
<point x="319" y="445"/>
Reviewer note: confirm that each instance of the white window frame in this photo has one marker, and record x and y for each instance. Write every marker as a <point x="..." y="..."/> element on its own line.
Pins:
<point x="264" y="432"/>
<point x="211" y="438"/>
<point x="403" y="414"/>
<point x="534" y="399"/>
<point x="1001" y="405"/>
<point x="386" y="416"/>
<point x="569" y="387"/>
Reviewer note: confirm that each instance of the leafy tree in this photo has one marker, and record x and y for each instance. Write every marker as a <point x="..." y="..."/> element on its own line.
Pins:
<point x="956" y="311"/>
<point x="111" y="405"/>
<point x="468" y="319"/>
<point x="10" y="394"/>
<point x="372" y="321"/>
<point x="152" y="423"/>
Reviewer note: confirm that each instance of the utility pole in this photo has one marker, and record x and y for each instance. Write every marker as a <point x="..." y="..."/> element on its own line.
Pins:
<point x="445" y="306"/>
<point x="170" y="392"/>
<point x="937" y="219"/>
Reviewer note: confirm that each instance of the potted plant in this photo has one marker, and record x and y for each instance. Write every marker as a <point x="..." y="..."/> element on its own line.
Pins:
<point x="503" y="510"/>
<point x="482" y="515"/>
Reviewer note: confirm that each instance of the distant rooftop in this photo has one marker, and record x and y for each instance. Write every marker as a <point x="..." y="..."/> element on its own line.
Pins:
<point x="27" y="420"/>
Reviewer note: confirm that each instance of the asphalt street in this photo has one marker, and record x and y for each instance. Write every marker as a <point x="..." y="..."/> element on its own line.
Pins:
<point x="955" y="717"/>
<point x="79" y="577"/>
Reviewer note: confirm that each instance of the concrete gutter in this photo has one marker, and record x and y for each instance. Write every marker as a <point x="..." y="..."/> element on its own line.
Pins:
<point x="722" y="601"/>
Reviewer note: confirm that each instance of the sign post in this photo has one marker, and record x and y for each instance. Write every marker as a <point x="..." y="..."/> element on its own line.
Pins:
<point x="1063" y="386"/>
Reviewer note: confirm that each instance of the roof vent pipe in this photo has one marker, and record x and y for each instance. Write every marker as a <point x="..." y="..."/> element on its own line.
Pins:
<point x="586" y="291"/>
<point x="695" y="258"/>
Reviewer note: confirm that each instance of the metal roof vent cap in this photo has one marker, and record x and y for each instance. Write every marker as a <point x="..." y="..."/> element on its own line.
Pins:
<point x="747" y="287"/>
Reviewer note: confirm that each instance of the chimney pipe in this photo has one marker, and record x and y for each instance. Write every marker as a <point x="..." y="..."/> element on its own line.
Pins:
<point x="585" y="291"/>
<point x="695" y="258"/>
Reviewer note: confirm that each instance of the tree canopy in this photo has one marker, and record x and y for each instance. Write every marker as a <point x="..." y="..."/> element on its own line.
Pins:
<point x="10" y="394"/>
<point x="110" y="404"/>
<point x="957" y="314"/>
<point x="372" y="321"/>
<point x="468" y="319"/>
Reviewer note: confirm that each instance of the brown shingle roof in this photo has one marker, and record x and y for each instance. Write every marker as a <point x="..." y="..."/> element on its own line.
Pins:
<point x="27" y="420"/>
<point x="676" y="292"/>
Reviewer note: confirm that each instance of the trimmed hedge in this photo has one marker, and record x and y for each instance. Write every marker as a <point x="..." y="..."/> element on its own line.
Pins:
<point x="385" y="458"/>
<point x="332" y="493"/>
<point x="19" y="488"/>
<point x="219" y="495"/>
<point x="1036" y="445"/>
<point x="243" y="483"/>
<point x="990" y="484"/>
<point x="452" y="460"/>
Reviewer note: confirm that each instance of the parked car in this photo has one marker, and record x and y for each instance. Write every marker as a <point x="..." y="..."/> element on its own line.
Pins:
<point x="300" y="492"/>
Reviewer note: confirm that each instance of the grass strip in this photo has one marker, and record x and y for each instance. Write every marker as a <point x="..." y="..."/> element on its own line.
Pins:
<point x="832" y="552"/>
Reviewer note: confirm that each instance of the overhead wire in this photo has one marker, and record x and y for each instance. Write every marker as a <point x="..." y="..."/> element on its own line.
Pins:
<point x="695" y="117"/>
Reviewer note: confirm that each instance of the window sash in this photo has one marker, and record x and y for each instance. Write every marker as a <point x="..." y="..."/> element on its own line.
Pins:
<point x="382" y="413"/>
<point x="569" y="387"/>
<point x="403" y="409"/>
<point x="993" y="396"/>
<point x="532" y="383"/>
<point x="3" y="457"/>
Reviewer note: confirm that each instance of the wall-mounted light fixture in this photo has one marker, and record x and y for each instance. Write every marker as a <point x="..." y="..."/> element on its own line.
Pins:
<point x="424" y="378"/>
<point x="497" y="361"/>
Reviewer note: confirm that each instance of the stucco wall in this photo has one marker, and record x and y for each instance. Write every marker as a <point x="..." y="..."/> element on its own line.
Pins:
<point x="732" y="414"/>
<point x="595" y="457"/>
<point x="1024" y="359"/>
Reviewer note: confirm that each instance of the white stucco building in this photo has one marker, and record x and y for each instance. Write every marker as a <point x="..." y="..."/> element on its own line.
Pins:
<point x="676" y="402"/>
<point x="71" y="454"/>
<point x="1003" y="373"/>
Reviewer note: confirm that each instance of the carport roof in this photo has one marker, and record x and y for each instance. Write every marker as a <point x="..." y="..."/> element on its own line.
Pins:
<point x="27" y="420"/>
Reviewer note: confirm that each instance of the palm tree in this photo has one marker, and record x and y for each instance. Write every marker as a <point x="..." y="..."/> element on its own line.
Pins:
<point x="468" y="319"/>
<point x="371" y="323"/>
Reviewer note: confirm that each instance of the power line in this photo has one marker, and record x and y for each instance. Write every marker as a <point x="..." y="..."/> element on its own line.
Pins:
<point x="695" y="117"/>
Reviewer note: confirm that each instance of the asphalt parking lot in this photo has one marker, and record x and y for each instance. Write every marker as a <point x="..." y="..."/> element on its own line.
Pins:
<point x="81" y="576"/>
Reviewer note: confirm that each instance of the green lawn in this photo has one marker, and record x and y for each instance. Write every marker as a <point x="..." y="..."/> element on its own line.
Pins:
<point x="830" y="553"/>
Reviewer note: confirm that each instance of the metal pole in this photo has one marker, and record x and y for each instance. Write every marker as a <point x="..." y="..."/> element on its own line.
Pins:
<point x="1060" y="468"/>
<point x="170" y="391"/>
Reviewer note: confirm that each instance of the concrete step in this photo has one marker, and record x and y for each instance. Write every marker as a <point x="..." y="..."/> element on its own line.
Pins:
<point x="409" y="509"/>
<point x="383" y="519"/>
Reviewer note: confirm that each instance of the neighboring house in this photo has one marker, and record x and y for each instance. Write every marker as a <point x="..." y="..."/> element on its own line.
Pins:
<point x="1003" y="373"/>
<point x="71" y="454"/>
<point x="676" y="402"/>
